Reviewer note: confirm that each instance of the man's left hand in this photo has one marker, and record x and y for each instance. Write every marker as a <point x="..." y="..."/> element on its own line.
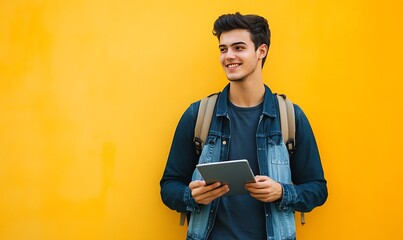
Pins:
<point x="265" y="189"/>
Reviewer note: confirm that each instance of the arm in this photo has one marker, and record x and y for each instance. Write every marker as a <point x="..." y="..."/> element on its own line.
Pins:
<point x="177" y="190"/>
<point x="181" y="163"/>
<point x="309" y="188"/>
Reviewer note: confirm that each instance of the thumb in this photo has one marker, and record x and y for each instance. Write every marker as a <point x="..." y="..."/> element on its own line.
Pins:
<point x="196" y="184"/>
<point x="259" y="178"/>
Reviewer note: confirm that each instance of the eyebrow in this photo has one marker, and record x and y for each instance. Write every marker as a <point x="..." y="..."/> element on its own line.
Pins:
<point x="233" y="44"/>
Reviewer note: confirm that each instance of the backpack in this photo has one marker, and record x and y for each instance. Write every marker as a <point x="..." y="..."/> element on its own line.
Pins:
<point x="205" y="113"/>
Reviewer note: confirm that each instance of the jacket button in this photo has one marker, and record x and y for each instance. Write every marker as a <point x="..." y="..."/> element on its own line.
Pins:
<point x="224" y="142"/>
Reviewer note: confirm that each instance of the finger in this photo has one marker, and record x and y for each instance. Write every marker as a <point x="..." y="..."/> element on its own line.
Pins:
<point x="258" y="185"/>
<point x="196" y="184"/>
<point x="260" y="191"/>
<point x="212" y="195"/>
<point x="260" y="178"/>
<point x="197" y="188"/>
<point x="207" y="197"/>
<point x="210" y="190"/>
<point x="212" y="186"/>
<point x="201" y="189"/>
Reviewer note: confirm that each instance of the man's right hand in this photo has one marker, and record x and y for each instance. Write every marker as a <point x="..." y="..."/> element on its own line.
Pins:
<point x="205" y="194"/>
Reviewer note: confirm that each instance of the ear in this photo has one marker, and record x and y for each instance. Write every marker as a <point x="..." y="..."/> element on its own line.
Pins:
<point x="262" y="51"/>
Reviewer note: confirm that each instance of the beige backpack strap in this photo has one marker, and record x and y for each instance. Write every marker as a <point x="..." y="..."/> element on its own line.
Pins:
<point x="203" y="121"/>
<point x="283" y="116"/>
<point x="202" y="128"/>
<point x="182" y="218"/>
<point x="291" y="125"/>
<point x="287" y="118"/>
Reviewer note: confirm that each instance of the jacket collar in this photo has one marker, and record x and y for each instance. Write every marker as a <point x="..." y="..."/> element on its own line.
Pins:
<point x="268" y="105"/>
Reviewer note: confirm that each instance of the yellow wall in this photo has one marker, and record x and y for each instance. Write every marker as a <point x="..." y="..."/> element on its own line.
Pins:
<point x="91" y="91"/>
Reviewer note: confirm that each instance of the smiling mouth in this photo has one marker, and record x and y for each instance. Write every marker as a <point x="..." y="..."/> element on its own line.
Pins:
<point x="233" y="65"/>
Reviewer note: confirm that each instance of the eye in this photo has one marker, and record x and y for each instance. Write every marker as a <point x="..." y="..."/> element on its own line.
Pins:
<point x="223" y="50"/>
<point x="239" y="48"/>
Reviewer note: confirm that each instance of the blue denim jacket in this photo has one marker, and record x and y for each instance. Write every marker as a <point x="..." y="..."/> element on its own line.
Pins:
<point x="302" y="178"/>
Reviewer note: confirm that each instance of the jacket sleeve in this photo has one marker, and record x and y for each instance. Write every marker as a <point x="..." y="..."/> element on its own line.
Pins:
<point x="182" y="160"/>
<point x="309" y="188"/>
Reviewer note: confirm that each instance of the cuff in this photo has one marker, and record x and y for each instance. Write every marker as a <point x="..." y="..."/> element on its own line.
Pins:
<point x="289" y="197"/>
<point x="191" y="204"/>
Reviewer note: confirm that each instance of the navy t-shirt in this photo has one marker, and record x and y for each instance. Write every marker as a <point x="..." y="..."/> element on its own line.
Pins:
<point x="241" y="216"/>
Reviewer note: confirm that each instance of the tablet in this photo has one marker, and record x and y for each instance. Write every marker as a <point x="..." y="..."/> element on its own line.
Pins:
<point x="234" y="173"/>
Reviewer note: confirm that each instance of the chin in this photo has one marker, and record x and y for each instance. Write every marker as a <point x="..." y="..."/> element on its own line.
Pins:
<point x="234" y="79"/>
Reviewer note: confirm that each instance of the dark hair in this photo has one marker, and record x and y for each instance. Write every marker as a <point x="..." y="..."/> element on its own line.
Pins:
<point x="257" y="26"/>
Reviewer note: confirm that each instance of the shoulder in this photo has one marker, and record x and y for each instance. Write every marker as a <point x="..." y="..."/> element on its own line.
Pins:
<point x="191" y="112"/>
<point x="299" y="113"/>
<point x="302" y="124"/>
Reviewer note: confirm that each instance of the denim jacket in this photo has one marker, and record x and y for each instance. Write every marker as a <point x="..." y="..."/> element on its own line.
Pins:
<point x="302" y="178"/>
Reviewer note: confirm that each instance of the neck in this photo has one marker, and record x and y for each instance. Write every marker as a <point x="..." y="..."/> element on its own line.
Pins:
<point x="246" y="93"/>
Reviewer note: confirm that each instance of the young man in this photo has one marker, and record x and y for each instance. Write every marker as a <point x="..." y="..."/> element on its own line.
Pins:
<point x="245" y="125"/>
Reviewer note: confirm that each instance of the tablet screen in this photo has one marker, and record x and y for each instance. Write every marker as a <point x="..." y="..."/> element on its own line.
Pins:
<point x="234" y="173"/>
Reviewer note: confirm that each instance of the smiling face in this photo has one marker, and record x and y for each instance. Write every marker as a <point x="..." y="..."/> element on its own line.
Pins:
<point x="238" y="56"/>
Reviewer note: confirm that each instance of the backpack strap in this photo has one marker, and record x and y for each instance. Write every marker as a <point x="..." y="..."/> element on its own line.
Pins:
<point x="203" y="121"/>
<point x="182" y="218"/>
<point x="287" y="118"/>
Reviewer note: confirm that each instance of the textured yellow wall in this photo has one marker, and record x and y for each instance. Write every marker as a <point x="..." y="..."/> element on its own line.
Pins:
<point x="91" y="92"/>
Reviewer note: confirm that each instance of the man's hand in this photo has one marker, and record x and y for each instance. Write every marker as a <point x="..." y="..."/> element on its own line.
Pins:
<point x="205" y="194"/>
<point x="265" y="189"/>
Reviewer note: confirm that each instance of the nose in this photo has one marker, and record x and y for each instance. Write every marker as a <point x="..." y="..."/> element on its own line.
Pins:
<point x="230" y="55"/>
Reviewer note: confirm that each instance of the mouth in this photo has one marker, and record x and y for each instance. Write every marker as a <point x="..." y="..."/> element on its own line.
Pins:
<point x="233" y="65"/>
